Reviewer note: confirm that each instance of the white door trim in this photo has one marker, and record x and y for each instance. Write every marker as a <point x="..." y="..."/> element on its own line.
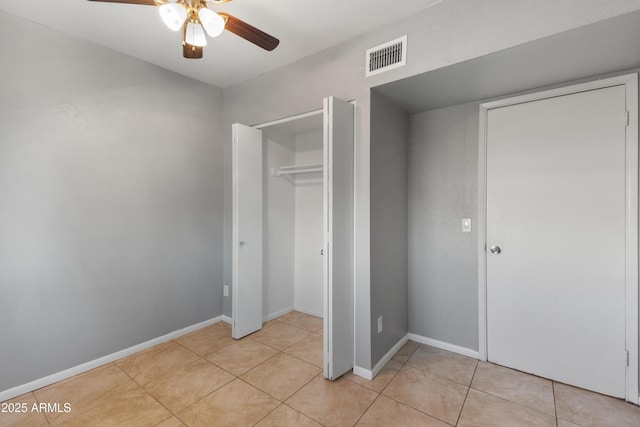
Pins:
<point x="630" y="82"/>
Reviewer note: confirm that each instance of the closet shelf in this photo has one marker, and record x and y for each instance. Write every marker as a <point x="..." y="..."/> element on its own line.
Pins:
<point x="296" y="169"/>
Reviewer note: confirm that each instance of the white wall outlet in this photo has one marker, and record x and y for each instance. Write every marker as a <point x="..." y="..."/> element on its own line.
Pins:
<point x="466" y="225"/>
<point x="379" y="324"/>
<point x="225" y="290"/>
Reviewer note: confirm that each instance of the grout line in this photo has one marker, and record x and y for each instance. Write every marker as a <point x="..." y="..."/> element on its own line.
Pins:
<point x="464" y="402"/>
<point x="555" y="410"/>
<point x="300" y="412"/>
<point x="144" y="389"/>
<point x="302" y="360"/>
<point x="38" y="400"/>
<point x="303" y="386"/>
<point x="413" y="407"/>
<point x="297" y="391"/>
<point x="268" y="413"/>
<point x="367" y="410"/>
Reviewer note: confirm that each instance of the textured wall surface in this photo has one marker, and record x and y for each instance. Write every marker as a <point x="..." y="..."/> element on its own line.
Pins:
<point x="111" y="202"/>
<point x="443" y="189"/>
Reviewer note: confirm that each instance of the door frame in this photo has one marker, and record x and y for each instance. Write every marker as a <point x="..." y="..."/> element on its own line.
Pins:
<point x="630" y="82"/>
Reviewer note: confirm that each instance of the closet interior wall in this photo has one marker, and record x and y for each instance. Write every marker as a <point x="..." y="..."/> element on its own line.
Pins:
<point x="293" y="218"/>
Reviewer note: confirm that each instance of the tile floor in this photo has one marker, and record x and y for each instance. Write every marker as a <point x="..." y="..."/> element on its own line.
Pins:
<point x="274" y="378"/>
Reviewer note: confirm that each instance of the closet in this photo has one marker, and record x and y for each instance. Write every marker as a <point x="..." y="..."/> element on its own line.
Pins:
<point x="293" y="225"/>
<point x="292" y="217"/>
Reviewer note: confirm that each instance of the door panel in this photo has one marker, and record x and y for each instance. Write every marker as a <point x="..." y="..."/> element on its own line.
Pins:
<point x="556" y="208"/>
<point x="338" y="222"/>
<point x="247" y="230"/>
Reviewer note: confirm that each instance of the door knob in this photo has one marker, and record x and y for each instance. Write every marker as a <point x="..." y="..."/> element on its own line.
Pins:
<point x="495" y="249"/>
<point x="241" y="243"/>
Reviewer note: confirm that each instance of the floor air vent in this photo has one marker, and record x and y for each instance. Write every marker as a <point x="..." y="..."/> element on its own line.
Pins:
<point x="387" y="56"/>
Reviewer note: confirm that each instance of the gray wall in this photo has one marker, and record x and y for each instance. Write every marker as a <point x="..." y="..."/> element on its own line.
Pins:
<point x="111" y="201"/>
<point x="450" y="32"/>
<point x="443" y="189"/>
<point x="389" y="133"/>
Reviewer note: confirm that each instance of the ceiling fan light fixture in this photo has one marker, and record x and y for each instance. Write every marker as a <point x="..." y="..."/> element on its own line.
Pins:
<point x="195" y="34"/>
<point x="211" y="21"/>
<point x="173" y="15"/>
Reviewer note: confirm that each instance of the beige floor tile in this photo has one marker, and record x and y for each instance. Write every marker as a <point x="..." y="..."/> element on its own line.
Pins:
<point x="524" y="389"/>
<point x="87" y="390"/>
<point x="20" y="414"/>
<point x="436" y="396"/>
<point x="405" y="352"/>
<point x="279" y="335"/>
<point x="301" y="320"/>
<point x="337" y="403"/>
<point x="236" y="404"/>
<point x="154" y="363"/>
<point x="563" y="423"/>
<point x="187" y="384"/>
<point x="242" y="355"/>
<point x="289" y="317"/>
<point x="386" y="412"/>
<point x="587" y="408"/>
<point x="484" y="410"/>
<point x="171" y="422"/>
<point x="381" y="380"/>
<point x="207" y="341"/>
<point x="131" y="409"/>
<point x="281" y="376"/>
<point x="308" y="349"/>
<point x="444" y="363"/>
<point x="284" y="416"/>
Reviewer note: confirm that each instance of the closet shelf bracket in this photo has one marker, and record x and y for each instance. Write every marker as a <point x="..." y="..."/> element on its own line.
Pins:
<point x="297" y="169"/>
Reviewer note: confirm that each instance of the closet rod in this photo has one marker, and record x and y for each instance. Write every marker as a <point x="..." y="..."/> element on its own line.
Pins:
<point x="288" y="119"/>
<point x="296" y="169"/>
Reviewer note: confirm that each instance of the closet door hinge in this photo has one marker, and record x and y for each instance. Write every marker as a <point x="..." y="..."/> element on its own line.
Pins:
<point x="626" y="118"/>
<point x="627" y="356"/>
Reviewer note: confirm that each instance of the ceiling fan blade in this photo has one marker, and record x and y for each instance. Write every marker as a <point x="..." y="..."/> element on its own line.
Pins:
<point x="250" y="33"/>
<point x="144" y="2"/>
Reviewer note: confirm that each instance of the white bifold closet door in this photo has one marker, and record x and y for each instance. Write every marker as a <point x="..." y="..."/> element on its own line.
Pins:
<point x="338" y="231"/>
<point x="247" y="230"/>
<point x="339" y="240"/>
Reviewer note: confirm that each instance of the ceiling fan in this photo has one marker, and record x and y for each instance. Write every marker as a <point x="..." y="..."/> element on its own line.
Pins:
<point x="194" y="19"/>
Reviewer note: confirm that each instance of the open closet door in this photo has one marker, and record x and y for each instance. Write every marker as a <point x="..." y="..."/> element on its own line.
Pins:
<point x="247" y="230"/>
<point x="339" y="232"/>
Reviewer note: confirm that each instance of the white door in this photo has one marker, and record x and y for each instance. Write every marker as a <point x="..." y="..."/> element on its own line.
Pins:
<point x="556" y="211"/>
<point x="247" y="230"/>
<point x="339" y="237"/>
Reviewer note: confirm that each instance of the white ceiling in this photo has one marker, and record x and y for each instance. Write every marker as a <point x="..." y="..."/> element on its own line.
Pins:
<point x="304" y="27"/>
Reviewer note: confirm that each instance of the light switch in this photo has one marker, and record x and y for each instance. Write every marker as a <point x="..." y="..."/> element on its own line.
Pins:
<point x="466" y="225"/>
<point x="225" y="290"/>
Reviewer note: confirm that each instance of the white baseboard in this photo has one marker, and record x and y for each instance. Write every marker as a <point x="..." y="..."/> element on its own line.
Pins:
<point x="362" y="372"/>
<point x="444" y="346"/>
<point x="371" y="374"/>
<point x="309" y="312"/>
<point x="277" y="314"/>
<point x="67" y="373"/>
<point x="227" y="319"/>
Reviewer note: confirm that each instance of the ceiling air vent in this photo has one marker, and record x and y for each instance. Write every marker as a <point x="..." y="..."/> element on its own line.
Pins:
<point x="387" y="56"/>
